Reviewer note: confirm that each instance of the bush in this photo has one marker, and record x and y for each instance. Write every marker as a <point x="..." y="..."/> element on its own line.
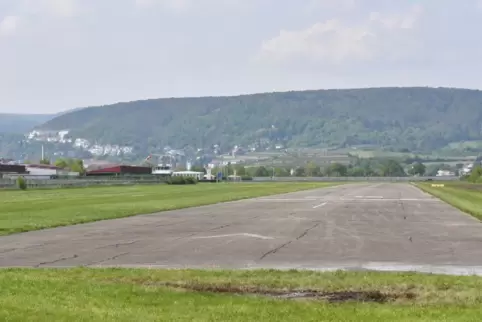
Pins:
<point x="190" y="180"/>
<point x="182" y="180"/>
<point x="21" y="183"/>
<point x="246" y="178"/>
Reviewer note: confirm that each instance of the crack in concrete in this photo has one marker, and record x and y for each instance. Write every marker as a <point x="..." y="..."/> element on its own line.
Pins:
<point x="166" y="225"/>
<point x="307" y="231"/>
<point x="107" y="259"/>
<point x="118" y="244"/>
<point x="57" y="260"/>
<point x="274" y="251"/>
<point x="8" y="250"/>
<point x="219" y="227"/>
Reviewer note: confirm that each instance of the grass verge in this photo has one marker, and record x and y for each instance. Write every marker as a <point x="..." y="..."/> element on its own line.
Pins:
<point x="464" y="196"/>
<point x="22" y="211"/>
<point x="145" y="295"/>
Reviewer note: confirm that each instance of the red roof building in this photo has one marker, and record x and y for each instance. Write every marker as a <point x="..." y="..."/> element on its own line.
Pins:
<point x="120" y="170"/>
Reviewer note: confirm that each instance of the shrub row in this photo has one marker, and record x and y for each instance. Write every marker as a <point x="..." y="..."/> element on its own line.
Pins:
<point x="182" y="180"/>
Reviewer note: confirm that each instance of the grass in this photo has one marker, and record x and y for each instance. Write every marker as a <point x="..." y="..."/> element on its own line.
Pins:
<point x="22" y="211"/>
<point x="464" y="196"/>
<point x="82" y="294"/>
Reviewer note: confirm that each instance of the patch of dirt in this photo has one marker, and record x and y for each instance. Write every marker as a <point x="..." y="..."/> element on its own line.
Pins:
<point x="331" y="297"/>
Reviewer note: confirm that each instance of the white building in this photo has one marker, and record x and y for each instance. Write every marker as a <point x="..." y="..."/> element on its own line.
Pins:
<point x="468" y="169"/>
<point x="194" y="174"/>
<point x="445" y="173"/>
<point x="42" y="170"/>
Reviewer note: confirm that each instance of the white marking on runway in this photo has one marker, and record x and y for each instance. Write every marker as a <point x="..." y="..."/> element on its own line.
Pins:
<point x="320" y="205"/>
<point x="386" y="199"/>
<point x="370" y="197"/>
<point x="347" y="199"/>
<point x="233" y="235"/>
<point x="286" y="199"/>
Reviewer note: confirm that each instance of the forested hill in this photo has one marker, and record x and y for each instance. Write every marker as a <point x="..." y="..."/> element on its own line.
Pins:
<point x="413" y="118"/>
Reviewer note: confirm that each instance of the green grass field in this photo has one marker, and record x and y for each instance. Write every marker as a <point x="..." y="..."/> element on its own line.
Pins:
<point x="189" y="295"/>
<point x="22" y="211"/>
<point x="464" y="196"/>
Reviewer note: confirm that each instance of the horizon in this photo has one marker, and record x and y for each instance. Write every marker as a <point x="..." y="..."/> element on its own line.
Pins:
<point x="239" y="95"/>
<point x="59" y="54"/>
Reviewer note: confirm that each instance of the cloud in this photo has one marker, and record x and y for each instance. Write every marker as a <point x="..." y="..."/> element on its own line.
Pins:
<point x="325" y="41"/>
<point x="380" y="36"/>
<point x="176" y="5"/>
<point x="62" y="8"/>
<point x="478" y="4"/>
<point x="398" y="21"/>
<point x="193" y="5"/>
<point x="330" y="4"/>
<point x="9" y="25"/>
<point x="52" y="8"/>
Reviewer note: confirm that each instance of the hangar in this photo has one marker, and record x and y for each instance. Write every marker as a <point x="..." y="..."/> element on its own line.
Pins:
<point x="115" y="170"/>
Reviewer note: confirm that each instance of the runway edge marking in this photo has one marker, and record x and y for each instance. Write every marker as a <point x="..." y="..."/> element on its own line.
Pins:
<point x="320" y="205"/>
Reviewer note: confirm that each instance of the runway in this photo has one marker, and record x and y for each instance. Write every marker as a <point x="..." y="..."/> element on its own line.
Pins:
<point x="382" y="226"/>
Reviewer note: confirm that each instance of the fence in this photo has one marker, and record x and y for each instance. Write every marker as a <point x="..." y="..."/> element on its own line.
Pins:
<point x="113" y="181"/>
<point x="77" y="183"/>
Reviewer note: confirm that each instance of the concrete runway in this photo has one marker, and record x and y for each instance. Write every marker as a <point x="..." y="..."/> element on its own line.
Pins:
<point x="378" y="226"/>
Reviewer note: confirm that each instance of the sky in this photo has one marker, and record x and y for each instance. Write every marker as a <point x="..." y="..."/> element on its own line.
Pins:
<point x="56" y="55"/>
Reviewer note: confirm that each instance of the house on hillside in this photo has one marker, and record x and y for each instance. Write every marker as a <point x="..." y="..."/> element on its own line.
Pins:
<point x="445" y="173"/>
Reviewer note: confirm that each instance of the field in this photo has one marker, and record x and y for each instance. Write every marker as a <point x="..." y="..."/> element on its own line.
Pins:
<point x="22" y="211"/>
<point x="363" y="222"/>
<point x="299" y="157"/>
<point x="465" y="196"/>
<point x="258" y="295"/>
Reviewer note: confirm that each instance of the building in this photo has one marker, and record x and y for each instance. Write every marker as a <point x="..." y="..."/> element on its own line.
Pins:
<point x="194" y="174"/>
<point x="43" y="170"/>
<point x="115" y="170"/>
<point x="12" y="169"/>
<point x="467" y="169"/>
<point x="445" y="173"/>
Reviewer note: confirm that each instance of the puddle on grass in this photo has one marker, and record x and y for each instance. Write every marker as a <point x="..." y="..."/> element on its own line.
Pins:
<point x="331" y="297"/>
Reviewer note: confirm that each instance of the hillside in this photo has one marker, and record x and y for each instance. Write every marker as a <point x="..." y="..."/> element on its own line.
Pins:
<point x="21" y="123"/>
<point x="420" y="119"/>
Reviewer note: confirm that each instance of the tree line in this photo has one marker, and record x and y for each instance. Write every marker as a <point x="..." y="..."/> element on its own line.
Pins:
<point x="361" y="168"/>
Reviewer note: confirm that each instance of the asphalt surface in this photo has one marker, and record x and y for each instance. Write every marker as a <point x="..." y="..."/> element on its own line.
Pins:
<point x="379" y="226"/>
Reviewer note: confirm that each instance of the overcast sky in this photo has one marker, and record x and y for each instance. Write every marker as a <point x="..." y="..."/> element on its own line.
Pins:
<point x="61" y="54"/>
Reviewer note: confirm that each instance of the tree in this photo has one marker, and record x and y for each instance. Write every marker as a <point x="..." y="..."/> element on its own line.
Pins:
<point x="475" y="174"/>
<point x="337" y="170"/>
<point x="45" y="161"/>
<point x="300" y="172"/>
<point x="417" y="169"/>
<point x="61" y="163"/>
<point x="392" y="168"/>
<point x="240" y="170"/>
<point x="312" y="170"/>
<point x="74" y="165"/>
<point x="77" y="166"/>
<point x="261" y="172"/>
<point x="281" y="172"/>
<point x="198" y="168"/>
<point x="356" y="172"/>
